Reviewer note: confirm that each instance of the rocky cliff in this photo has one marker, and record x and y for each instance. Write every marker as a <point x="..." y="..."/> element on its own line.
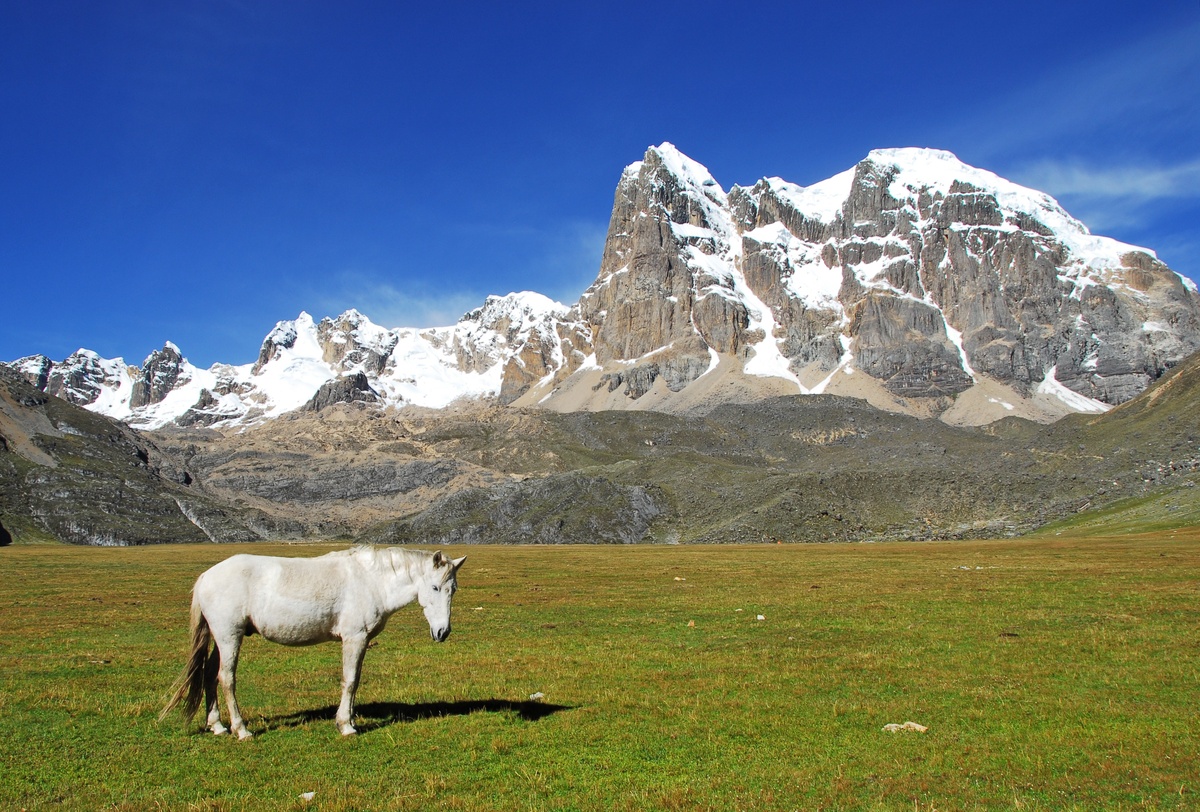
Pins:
<point x="913" y="280"/>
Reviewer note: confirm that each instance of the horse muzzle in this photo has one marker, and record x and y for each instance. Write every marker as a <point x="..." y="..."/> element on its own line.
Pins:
<point x="440" y="635"/>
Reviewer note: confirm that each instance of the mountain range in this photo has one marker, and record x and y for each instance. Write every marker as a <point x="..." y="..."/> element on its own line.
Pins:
<point x="757" y="364"/>
<point x="913" y="281"/>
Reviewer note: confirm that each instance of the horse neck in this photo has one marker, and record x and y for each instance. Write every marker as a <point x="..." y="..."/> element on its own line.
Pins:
<point x="401" y="575"/>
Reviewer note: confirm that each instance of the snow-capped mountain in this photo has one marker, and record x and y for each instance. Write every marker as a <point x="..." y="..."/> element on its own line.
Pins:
<point x="432" y="367"/>
<point x="912" y="280"/>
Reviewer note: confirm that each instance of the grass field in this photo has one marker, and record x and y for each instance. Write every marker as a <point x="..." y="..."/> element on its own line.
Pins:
<point x="1054" y="673"/>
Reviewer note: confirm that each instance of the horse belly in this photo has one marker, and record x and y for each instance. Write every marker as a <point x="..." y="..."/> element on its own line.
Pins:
<point x="295" y="625"/>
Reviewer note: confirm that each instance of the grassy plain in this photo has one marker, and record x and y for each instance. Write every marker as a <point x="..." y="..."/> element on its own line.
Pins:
<point x="1054" y="673"/>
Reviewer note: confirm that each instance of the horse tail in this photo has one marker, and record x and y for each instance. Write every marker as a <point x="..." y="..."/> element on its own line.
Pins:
<point x="190" y="688"/>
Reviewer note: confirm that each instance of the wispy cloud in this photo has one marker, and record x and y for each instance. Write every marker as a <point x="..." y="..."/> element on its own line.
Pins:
<point x="1111" y="135"/>
<point x="569" y="259"/>
<point x="415" y="305"/>
<point x="1112" y="196"/>
<point x="1128" y="183"/>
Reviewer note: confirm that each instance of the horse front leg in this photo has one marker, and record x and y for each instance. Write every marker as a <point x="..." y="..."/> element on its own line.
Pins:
<point x="353" y="650"/>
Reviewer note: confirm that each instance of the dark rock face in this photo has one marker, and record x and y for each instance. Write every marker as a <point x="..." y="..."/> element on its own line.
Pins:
<point x="203" y="413"/>
<point x="283" y="337"/>
<point x="636" y="380"/>
<point x="647" y="296"/>
<point x="349" y="389"/>
<point x="536" y="354"/>
<point x="160" y="373"/>
<point x="79" y="379"/>
<point x="903" y="343"/>
<point x="35" y="369"/>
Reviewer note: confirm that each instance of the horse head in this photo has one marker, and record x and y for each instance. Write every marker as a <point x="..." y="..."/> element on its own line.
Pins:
<point x="436" y="591"/>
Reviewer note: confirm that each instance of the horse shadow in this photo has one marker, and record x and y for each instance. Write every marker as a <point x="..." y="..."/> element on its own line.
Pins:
<point x="374" y="715"/>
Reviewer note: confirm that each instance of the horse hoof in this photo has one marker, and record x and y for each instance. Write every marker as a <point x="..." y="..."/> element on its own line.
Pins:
<point x="347" y="730"/>
<point x="219" y="730"/>
<point x="244" y="734"/>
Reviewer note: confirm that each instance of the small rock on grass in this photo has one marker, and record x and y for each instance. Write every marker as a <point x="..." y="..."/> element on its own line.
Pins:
<point x="893" y="727"/>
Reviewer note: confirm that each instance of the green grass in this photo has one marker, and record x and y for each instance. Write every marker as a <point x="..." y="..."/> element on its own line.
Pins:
<point x="1056" y="673"/>
<point x="1164" y="510"/>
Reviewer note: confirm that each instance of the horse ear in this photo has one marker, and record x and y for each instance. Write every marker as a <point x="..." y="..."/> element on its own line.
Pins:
<point x="439" y="559"/>
<point x="458" y="562"/>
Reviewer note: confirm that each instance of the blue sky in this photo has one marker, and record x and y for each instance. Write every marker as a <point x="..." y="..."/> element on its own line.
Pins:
<point x="197" y="171"/>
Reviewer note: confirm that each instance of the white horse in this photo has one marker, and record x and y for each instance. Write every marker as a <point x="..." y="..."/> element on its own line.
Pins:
<point x="347" y="596"/>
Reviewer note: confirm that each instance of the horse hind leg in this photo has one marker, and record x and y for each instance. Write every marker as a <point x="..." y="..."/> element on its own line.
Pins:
<point x="229" y="648"/>
<point x="211" y="706"/>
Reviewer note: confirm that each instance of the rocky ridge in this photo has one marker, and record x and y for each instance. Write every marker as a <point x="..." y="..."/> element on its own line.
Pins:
<point x="914" y="281"/>
<point x="494" y="351"/>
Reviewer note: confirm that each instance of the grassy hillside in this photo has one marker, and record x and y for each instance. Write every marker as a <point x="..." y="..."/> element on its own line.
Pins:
<point x="1145" y="454"/>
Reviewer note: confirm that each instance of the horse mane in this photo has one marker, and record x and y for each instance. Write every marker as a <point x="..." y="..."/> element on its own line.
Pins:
<point x="373" y="556"/>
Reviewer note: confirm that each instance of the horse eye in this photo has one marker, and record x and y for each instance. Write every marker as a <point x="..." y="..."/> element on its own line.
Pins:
<point x="437" y="589"/>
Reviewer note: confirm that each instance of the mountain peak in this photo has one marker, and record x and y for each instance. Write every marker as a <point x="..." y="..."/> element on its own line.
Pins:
<point x="914" y="156"/>
<point x="688" y="171"/>
<point x="821" y="201"/>
<point x="526" y="302"/>
<point x="351" y="316"/>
